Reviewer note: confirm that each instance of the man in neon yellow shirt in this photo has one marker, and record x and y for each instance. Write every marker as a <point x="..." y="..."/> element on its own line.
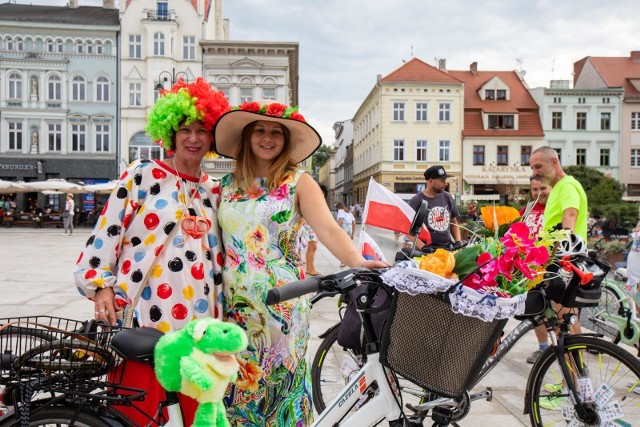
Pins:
<point x="567" y="203"/>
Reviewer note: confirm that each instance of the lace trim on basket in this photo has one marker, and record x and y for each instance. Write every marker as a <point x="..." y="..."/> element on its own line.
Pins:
<point x="406" y="277"/>
<point x="469" y="302"/>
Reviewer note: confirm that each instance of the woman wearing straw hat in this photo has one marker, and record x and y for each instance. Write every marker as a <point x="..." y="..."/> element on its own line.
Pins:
<point x="261" y="205"/>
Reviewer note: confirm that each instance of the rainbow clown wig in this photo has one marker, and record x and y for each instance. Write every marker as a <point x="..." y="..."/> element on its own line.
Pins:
<point x="184" y="104"/>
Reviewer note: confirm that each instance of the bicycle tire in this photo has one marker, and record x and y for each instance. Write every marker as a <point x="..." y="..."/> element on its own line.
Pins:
<point x="599" y="363"/>
<point x="591" y="317"/>
<point x="60" y="417"/>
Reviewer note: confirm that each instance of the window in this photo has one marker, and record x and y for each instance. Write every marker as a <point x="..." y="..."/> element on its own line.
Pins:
<point x="605" y="157"/>
<point x="102" y="138"/>
<point x="606" y="100"/>
<point x="556" y="120"/>
<point x="444" y="112"/>
<point x="605" y="121"/>
<point x="78" y="89"/>
<point x="60" y="46"/>
<point x="581" y="100"/>
<point x="581" y="156"/>
<point x="15" y="86"/>
<point x="158" y="44"/>
<point x="55" y="137"/>
<point x="99" y="49"/>
<point x="19" y="44"/>
<point x="635" y="121"/>
<point x="559" y="151"/>
<point x="78" y="137"/>
<point x="89" y="47"/>
<point x="557" y="100"/>
<point x="421" y="150"/>
<point x="226" y="90"/>
<point x="246" y="94"/>
<point x="142" y="147"/>
<point x="525" y="154"/>
<point x="444" y="150"/>
<point x="398" y="150"/>
<point x="135" y="94"/>
<point x="478" y="155"/>
<point x="500" y="122"/>
<point x="268" y="93"/>
<point x="581" y="121"/>
<point x="163" y="9"/>
<point x="189" y="47"/>
<point x="15" y="136"/>
<point x="421" y="111"/>
<point x="102" y="90"/>
<point x="79" y="47"/>
<point x="503" y="155"/>
<point x="489" y="94"/>
<point x="398" y="111"/>
<point x="135" y="46"/>
<point x="50" y="46"/>
<point x="54" y="88"/>
<point x="635" y="157"/>
<point x="8" y="42"/>
<point x="501" y="94"/>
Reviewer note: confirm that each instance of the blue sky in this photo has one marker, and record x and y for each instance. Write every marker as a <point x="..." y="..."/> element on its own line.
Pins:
<point x="344" y="44"/>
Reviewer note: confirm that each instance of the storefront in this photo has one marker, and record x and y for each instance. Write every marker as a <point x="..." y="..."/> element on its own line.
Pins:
<point x="494" y="180"/>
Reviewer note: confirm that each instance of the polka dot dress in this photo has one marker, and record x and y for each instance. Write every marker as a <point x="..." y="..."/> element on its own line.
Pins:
<point x="132" y="230"/>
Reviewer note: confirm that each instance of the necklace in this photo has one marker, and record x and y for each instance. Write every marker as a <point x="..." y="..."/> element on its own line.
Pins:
<point x="193" y="225"/>
<point x="186" y="188"/>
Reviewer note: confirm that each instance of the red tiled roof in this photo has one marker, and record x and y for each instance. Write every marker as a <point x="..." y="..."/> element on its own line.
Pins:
<point x="416" y="71"/>
<point x="615" y="71"/>
<point x="205" y="12"/>
<point x="528" y="125"/>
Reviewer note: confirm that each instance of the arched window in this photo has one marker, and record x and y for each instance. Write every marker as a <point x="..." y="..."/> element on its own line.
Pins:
<point x="54" y="88"/>
<point x="246" y="90"/>
<point x="51" y="48"/>
<point x="60" y="46"/>
<point x="79" y="47"/>
<point x="19" y="44"/>
<point x="158" y="44"/>
<point x="89" y="47"/>
<point x="8" y="43"/>
<point x="102" y="89"/>
<point x="15" y="86"/>
<point x="224" y="85"/>
<point x="99" y="48"/>
<point x="78" y="89"/>
<point x="141" y="146"/>
<point x="269" y="89"/>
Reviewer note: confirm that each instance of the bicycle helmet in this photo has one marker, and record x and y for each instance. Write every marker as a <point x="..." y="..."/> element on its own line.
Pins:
<point x="572" y="245"/>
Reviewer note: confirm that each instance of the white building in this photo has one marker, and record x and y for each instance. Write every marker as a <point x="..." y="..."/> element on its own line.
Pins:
<point x="344" y="139"/>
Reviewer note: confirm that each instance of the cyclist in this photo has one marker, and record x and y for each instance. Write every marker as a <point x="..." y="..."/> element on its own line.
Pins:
<point x="443" y="218"/>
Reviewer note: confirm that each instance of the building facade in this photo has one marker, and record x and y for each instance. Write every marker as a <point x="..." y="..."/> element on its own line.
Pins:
<point x="343" y="143"/>
<point x="160" y="44"/>
<point x="251" y="71"/>
<point x="59" y="87"/>
<point x="624" y="73"/>
<point x="412" y="119"/>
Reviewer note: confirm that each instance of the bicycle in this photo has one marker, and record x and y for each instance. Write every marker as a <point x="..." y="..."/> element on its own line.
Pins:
<point x="578" y="379"/>
<point x="54" y="371"/>
<point x="615" y="317"/>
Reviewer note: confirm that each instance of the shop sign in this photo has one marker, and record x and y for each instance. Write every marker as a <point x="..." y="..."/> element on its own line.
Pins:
<point x="18" y="167"/>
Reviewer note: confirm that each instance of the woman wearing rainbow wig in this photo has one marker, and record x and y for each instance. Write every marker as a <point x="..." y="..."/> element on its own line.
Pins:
<point x="134" y="237"/>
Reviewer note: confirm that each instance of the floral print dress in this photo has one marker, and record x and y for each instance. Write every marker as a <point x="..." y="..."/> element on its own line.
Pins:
<point x="259" y="234"/>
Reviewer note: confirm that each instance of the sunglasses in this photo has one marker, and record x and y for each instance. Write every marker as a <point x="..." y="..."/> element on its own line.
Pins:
<point x="195" y="226"/>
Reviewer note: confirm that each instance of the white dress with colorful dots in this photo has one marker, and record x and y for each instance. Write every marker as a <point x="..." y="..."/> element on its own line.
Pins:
<point x="131" y="230"/>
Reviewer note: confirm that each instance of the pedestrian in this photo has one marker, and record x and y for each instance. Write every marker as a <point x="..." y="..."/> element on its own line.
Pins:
<point x="67" y="215"/>
<point x="262" y="203"/>
<point x="535" y="220"/>
<point x="443" y="217"/>
<point x="346" y="219"/>
<point x="472" y="211"/>
<point x="309" y="242"/>
<point x="156" y="246"/>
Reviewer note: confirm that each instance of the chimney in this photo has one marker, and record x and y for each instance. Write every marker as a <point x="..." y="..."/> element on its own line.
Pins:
<point x="442" y="64"/>
<point x="635" y="55"/>
<point x="108" y="4"/>
<point x="73" y="4"/>
<point x="474" y="68"/>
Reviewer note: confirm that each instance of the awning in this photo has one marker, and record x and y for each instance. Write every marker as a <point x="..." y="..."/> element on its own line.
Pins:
<point x="487" y="181"/>
<point x="466" y="197"/>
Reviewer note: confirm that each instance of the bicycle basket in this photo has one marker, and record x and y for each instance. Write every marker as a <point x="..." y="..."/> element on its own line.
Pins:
<point x="564" y="287"/>
<point x="45" y="346"/>
<point x="432" y="346"/>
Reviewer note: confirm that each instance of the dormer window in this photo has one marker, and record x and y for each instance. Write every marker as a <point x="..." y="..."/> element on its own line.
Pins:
<point x="501" y="94"/>
<point x="489" y="94"/>
<point x="501" y="121"/>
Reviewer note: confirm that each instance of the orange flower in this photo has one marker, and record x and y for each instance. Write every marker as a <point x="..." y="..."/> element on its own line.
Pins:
<point x="504" y="215"/>
<point x="441" y="262"/>
<point x="250" y="375"/>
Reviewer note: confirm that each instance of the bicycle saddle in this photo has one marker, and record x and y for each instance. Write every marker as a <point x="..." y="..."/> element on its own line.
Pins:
<point x="136" y="344"/>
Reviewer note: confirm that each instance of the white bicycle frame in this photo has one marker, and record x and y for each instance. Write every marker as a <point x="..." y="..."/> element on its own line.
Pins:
<point x="382" y="405"/>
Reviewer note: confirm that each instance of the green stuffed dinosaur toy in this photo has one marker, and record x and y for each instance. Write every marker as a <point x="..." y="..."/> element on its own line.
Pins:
<point x="199" y="361"/>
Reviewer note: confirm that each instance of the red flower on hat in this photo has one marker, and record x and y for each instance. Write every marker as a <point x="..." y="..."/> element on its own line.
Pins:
<point x="298" y="117"/>
<point x="275" y="109"/>
<point x="252" y="107"/>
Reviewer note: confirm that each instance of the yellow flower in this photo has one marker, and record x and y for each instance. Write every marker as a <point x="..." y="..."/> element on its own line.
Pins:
<point x="441" y="262"/>
<point x="257" y="240"/>
<point x="503" y="214"/>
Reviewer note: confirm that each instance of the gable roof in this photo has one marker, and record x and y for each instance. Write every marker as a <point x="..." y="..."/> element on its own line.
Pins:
<point x="614" y="71"/>
<point x="82" y="15"/>
<point x="417" y="71"/>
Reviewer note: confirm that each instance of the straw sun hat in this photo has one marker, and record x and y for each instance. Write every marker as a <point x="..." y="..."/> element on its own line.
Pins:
<point x="305" y="140"/>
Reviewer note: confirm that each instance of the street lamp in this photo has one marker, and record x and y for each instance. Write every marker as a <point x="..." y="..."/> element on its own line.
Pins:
<point x="164" y="77"/>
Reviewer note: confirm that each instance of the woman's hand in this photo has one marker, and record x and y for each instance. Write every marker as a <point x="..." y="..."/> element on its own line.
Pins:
<point x="105" y="305"/>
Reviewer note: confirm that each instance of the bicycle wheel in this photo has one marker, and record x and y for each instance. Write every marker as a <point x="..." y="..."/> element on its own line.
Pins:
<point x="592" y="319"/>
<point x="607" y="375"/>
<point x="60" y="417"/>
<point x="332" y="368"/>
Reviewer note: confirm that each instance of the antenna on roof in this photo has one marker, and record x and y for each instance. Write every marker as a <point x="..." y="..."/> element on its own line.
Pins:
<point x="411" y="50"/>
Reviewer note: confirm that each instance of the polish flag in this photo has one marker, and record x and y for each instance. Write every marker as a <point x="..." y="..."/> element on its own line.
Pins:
<point x="369" y="248"/>
<point x="386" y="210"/>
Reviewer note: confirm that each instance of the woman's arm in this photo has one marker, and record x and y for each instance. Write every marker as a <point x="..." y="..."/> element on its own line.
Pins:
<point x="311" y="204"/>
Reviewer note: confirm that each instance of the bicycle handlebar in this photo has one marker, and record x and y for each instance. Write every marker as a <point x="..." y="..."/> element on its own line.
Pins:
<point x="293" y="290"/>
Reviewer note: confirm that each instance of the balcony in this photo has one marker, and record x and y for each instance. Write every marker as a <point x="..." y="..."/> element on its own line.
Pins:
<point x="218" y="167"/>
<point x="159" y="15"/>
<point x="14" y="104"/>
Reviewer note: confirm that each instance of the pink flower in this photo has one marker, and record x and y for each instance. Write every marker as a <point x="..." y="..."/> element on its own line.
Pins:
<point x="490" y="268"/>
<point x="233" y="257"/>
<point x="281" y="192"/>
<point x="473" y="281"/>
<point x="517" y="239"/>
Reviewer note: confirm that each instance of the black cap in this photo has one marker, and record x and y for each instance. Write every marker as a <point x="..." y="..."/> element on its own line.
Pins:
<point x="435" y="172"/>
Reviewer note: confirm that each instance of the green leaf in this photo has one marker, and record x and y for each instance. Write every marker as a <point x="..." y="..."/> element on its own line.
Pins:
<point x="466" y="260"/>
<point x="281" y="217"/>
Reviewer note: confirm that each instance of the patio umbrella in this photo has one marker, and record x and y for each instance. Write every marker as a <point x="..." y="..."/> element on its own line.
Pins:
<point x="12" y="187"/>
<point x="101" y="188"/>
<point x="55" y="185"/>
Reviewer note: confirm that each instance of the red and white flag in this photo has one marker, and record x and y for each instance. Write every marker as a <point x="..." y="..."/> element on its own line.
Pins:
<point x="386" y="210"/>
<point x="369" y="248"/>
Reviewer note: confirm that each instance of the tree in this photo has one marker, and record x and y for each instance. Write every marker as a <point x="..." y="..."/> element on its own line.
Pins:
<point x="600" y="189"/>
<point x="320" y="157"/>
